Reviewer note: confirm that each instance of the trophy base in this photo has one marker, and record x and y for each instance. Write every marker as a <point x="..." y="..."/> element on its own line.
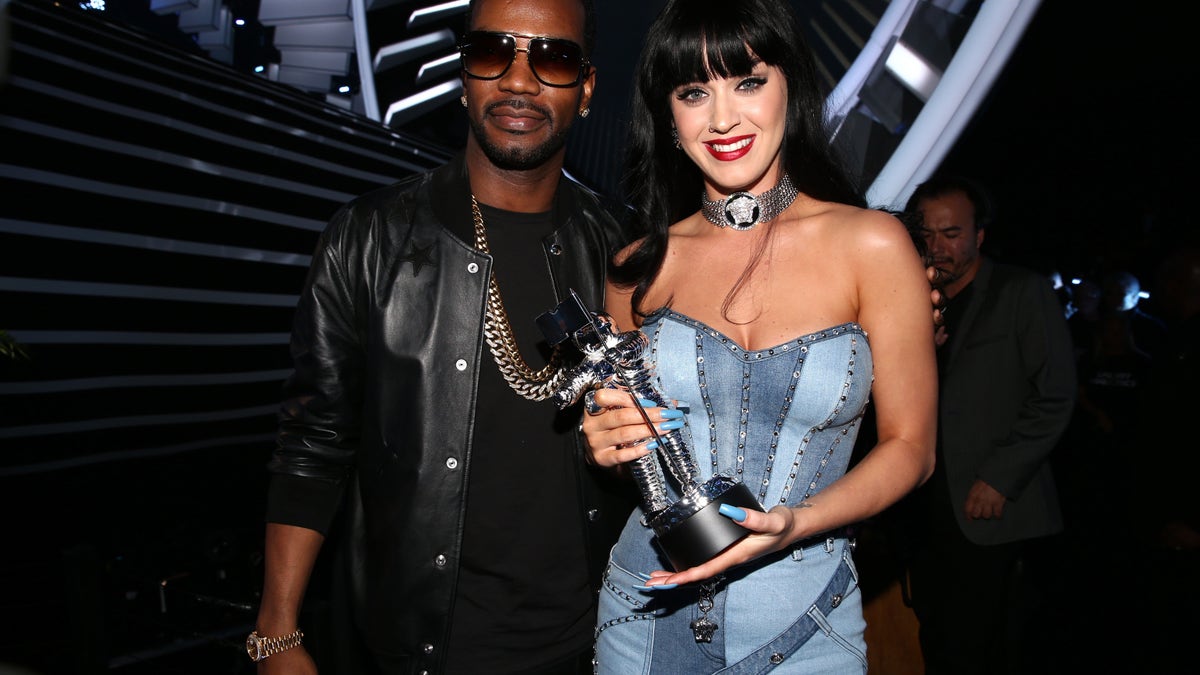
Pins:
<point x="692" y="531"/>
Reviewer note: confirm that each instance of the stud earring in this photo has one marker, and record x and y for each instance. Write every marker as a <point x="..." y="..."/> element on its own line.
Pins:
<point x="463" y="99"/>
<point x="585" y="112"/>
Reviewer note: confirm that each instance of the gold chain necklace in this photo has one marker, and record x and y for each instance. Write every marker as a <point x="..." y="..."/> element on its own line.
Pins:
<point x="534" y="385"/>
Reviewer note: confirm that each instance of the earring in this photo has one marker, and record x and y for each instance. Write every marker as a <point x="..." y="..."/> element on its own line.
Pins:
<point x="464" y="100"/>
<point x="675" y="137"/>
<point x="585" y="112"/>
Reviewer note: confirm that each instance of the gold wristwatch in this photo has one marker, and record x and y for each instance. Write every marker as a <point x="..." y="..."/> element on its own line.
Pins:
<point x="259" y="648"/>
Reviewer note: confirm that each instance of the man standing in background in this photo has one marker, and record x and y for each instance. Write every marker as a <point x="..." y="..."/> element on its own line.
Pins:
<point x="1007" y="392"/>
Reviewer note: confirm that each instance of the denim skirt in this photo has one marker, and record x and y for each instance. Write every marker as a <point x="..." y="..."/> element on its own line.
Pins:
<point x="798" y="611"/>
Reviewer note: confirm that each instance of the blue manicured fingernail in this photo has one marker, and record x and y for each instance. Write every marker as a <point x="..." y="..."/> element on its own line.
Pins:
<point x="669" y="414"/>
<point x="659" y="587"/>
<point x="642" y="575"/>
<point x="652" y="445"/>
<point x="670" y="425"/>
<point x="732" y="512"/>
<point x="645" y="403"/>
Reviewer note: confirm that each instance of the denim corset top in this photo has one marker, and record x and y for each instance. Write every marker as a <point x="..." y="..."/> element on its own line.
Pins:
<point x="783" y="420"/>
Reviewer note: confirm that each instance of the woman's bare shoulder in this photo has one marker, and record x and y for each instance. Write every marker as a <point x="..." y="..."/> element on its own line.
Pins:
<point x="868" y="228"/>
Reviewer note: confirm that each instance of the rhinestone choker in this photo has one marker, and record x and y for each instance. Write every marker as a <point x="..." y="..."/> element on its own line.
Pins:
<point x="742" y="211"/>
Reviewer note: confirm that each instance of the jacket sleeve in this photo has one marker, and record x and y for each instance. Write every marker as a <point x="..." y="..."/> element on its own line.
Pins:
<point x="1048" y="366"/>
<point x="320" y="411"/>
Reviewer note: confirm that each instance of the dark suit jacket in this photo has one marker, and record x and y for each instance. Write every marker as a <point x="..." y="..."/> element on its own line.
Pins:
<point x="1007" y="395"/>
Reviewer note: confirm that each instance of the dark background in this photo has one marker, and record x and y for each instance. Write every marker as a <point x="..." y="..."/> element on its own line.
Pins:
<point x="1084" y="139"/>
<point x="1085" y="144"/>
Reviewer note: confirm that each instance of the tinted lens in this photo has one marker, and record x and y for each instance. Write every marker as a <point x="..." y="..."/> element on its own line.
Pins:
<point x="488" y="55"/>
<point x="555" y="62"/>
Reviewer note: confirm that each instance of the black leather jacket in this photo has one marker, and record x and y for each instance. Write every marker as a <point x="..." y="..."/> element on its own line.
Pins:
<point x="388" y="336"/>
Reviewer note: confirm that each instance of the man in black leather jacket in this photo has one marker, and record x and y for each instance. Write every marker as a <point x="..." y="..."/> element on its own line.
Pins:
<point x="473" y="531"/>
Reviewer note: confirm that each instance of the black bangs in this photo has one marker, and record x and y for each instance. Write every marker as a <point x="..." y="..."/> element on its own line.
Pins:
<point x="702" y="45"/>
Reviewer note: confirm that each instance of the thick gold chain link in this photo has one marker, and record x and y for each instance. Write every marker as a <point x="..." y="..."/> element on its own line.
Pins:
<point x="497" y="332"/>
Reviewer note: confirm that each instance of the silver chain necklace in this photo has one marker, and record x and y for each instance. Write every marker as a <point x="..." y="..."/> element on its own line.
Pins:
<point x="742" y="211"/>
<point x="534" y="385"/>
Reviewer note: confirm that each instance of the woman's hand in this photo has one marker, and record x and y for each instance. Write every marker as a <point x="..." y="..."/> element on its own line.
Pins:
<point x="615" y="430"/>
<point x="769" y="532"/>
<point x="936" y="297"/>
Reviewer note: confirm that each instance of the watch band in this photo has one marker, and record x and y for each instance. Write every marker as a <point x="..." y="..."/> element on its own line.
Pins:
<point x="259" y="648"/>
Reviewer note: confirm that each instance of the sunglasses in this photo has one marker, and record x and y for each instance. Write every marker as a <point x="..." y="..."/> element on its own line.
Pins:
<point x="555" y="62"/>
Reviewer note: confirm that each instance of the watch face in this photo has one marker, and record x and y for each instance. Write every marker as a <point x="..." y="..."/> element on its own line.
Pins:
<point x="254" y="648"/>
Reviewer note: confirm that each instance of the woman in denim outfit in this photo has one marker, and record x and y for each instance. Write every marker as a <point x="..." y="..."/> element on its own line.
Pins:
<point x="776" y="315"/>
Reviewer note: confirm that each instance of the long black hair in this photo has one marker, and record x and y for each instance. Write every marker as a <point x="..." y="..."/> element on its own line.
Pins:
<point x="694" y="41"/>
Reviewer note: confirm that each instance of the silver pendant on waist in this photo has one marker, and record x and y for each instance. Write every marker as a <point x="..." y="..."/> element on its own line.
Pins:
<point x="742" y="211"/>
<point x="535" y="385"/>
<point x="704" y="627"/>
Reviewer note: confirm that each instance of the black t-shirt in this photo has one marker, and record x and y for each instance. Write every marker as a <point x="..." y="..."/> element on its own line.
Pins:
<point x="523" y="599"/>
<point x="952" y="314"/>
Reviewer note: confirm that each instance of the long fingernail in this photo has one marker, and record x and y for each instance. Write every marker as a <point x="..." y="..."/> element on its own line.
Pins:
<point x="652" y="445"/>
<point x="658" y="587"/>
<point x="642" y="575"/>
<point x="669" y="414"/>
<point x="732" y="512"/>
<point x="646" y="403"/>
<point x="671" y="425"/>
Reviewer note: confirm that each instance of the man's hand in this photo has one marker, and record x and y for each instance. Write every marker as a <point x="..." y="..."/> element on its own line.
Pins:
<point x="295" y="661"/>
<point x="984" y="502"/>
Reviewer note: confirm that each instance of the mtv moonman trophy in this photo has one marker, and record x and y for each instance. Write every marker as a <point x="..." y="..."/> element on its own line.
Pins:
<point x="691" y="530"/>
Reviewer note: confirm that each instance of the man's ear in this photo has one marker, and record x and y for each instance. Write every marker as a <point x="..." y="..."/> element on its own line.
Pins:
<point x="589" y="85"/>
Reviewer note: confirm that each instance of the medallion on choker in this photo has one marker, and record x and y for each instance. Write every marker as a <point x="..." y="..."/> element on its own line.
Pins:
<point x="742" y="211"/>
